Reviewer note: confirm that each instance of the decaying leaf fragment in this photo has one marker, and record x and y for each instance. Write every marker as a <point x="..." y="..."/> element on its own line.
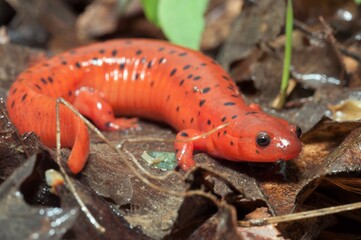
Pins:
<point x="18" y="220"/>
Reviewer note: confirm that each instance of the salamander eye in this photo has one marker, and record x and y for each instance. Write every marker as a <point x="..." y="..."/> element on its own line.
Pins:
<point x="298" y="131"/>
<point x="263" y="139"/>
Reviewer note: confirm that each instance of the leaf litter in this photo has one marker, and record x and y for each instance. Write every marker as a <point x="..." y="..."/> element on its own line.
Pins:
<point x="324" y="175"/>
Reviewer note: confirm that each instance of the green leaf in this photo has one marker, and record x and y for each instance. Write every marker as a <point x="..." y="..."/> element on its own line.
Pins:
<point x="358" y="1"/>
<point x="150" y="8"/>
<point x="182" y="21"/>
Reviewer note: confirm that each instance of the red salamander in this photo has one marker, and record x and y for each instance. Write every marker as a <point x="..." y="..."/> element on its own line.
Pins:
<point x="151" y="79"/>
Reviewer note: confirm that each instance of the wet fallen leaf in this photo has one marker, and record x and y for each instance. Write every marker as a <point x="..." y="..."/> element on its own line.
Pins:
<point x="18" y="220"/>
<point x="347" y="110"/>
<point x="255" y="21"/>
<point x="53" y="16"/>
<point x="14" y="149"/>
<point x="14" y="59"/>
<point x="219" y="21"/>
<point x="107" y="14"/>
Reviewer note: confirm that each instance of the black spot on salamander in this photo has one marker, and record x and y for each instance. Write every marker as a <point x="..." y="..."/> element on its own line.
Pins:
<point x="225" y="77"/>
<point x="190" y="76"/>
<point x="70" y="93"/>
<point x="37" y="86"/>
<point x="177" y="109"/>
<point x="24" y="97"/>
<point x="63" y="62"/>
<point x="224" y="132"/>
<point x="176" y="151"/>
<point x="231" y="143"/>
<point x="135" y="76"/>
<point x="14" y="91"/>
<point x="161" y="49"/>
<point x="250" y="113"/>
<point x="50" y="79"/>
<point x="152" y="83"/>
<point x="234" y="116"/>
<point x="209" y="122"/>
<point x="191" y="121"/>
<point x="205" y="90"/>
<point x="229" y="104"/>
<point x="168" y="97"/>
<point x="181" y="82"/>
<point x="218" y="134"/>
<point x="172" y="51"/>
<point x="186" y="67"/>
<point x="230" y="87"/>
<point x="122" y="65"/>
<point x="173" y="72"/>
<point x="77" y="64"/>
<point x="95" y="59"/>
<point x="101" y="51"/>
<point x="183" y="121"/>
<point x="203" y="64"/>
<point x="150" y="64"/>
<point x="43" y="80"/>
<point x="182" y="54"/>
<point x="162" y="60"/>
<point x="257" y="151"/>
<point x="184" y="134"/>
<point x="114" y="52"/>
<point x="107" y="124"/>
<point x="224" y="119"/>
<point x="196" y="78"/>
<point x="201" y="102"/>
<point x="13" y="104"/>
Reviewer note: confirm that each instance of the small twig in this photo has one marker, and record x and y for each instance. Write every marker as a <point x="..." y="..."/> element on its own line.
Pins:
<point x="68" y="182"/>
<point x="300" y="215"/>
<point x="317" y="37"/>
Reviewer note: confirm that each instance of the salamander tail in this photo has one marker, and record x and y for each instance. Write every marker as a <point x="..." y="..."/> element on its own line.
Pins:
<point x="80" y="151"/>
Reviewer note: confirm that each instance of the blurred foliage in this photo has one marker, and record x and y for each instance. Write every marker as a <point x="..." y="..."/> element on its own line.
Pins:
<point x="182" y="22"/>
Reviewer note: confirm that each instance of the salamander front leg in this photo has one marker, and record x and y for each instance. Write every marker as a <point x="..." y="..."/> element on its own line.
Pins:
<point x="93" y="106"/>
<point x="184" y="147"/>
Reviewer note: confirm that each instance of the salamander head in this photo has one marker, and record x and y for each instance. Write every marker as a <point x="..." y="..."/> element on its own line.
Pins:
<point x="260" y="138"/>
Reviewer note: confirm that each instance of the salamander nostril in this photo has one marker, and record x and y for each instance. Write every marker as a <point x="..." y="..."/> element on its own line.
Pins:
<point x="298" y="131"/>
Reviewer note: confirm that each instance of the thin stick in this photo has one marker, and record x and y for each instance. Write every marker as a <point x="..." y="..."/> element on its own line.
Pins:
<point x="68" y="182"/>
<point x="300" y="215"/>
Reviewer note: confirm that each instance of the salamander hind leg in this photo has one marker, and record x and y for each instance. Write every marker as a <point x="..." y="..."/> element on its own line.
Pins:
<point x="96" y="108"/>
<point x="184" y="146"/>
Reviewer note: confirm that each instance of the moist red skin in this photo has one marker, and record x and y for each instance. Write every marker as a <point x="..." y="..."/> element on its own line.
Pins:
<point x="151" y="79"/>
